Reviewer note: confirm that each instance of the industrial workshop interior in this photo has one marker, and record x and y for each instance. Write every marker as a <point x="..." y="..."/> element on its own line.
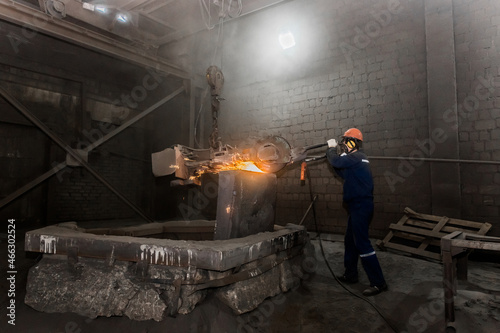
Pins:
<point x="241" y="166"/>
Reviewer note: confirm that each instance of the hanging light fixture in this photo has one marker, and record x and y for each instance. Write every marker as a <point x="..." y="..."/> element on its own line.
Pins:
<point x="286" y="39"/>
<point x="122" y="17"/>
<point x="101" y="9"/>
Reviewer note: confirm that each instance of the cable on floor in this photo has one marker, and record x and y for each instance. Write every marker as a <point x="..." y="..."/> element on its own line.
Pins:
<point x="313" y="199"/>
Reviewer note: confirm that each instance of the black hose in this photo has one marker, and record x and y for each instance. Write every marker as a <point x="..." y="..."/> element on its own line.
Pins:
<point x="313" y="199"/>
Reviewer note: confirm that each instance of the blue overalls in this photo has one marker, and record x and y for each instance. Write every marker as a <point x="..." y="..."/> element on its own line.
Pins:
<point x="354" y="168"/>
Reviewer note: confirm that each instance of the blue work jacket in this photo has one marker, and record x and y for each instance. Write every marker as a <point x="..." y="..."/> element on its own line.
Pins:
<point x="354" y="168"/>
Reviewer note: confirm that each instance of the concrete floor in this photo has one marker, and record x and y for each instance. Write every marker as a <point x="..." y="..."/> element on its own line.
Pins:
<point x="413" y="303"/>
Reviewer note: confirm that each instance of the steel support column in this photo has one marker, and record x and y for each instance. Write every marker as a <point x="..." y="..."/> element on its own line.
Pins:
<point x="442" y="100"/>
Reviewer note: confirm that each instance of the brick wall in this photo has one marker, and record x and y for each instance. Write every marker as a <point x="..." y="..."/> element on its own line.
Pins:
<point x="75" y="194"/>
<point x="64" y="98"/>
<point x="363" y="66"/>
<point x="23" y="157"/>
<point x="477" y="42"/>
<point x="359" y="64"/>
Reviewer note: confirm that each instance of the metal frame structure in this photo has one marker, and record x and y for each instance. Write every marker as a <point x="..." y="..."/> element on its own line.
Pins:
<point x="455" y="249"/>
<point x="74" y="153"/>
<point x="175" y="269"/>
<point x="222" y="255"/>
<point x="38" y="21"/>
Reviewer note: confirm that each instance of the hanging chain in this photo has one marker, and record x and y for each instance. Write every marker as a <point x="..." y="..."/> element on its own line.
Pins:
<point x="214" y="140"/>
<point x="215" y="79"/>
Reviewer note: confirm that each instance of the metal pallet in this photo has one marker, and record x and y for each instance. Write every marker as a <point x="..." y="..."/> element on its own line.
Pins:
<point x="420" y="234"/>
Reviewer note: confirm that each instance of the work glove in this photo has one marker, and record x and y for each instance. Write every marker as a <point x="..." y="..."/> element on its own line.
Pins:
<point x="332" y="143"/>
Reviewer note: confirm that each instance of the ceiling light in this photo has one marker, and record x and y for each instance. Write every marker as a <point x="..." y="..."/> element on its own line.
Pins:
<point x="286" y="40"/>
<point x="101" y="9"/>
<point x="88" y="6"/>
<point x="122" y="17"/>
<point x="95" y="8"/>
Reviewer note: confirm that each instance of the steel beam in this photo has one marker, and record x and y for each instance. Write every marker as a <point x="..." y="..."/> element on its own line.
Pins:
<point x="73" y="153"/>
<point x="20" y="191"/>
<point x="192" y="115"/>
<point x="33" y="19"/>
<point x="253" y="7"/>
<point x="87" y="149"/>
<point x="454" y="252"/>
<point x="157" y="228"/>
<point x="134" y="119"/>
<point x="219" y="256"/>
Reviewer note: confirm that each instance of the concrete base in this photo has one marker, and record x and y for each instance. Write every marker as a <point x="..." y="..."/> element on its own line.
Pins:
<point x="247" y="295"/>
<point x="96" y="289"/>
<point x="67" y="281"/>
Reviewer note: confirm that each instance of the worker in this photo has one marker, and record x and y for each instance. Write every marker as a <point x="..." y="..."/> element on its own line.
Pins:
<point x="353" y="167"/>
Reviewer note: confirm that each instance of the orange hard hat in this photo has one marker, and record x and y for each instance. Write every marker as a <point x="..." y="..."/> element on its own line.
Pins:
<point x="354" y="133"/>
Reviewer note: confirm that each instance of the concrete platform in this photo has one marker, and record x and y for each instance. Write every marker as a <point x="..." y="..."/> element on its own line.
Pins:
<point x="413" y="303"/>
<point x="147" y="278"/>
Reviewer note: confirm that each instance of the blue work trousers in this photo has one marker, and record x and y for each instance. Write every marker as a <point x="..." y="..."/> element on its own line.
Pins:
<point x="357" y="243"/>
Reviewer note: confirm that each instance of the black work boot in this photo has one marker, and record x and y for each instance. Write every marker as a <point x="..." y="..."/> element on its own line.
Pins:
<point x="348" y="280"/>
<point x="374" y="290"/>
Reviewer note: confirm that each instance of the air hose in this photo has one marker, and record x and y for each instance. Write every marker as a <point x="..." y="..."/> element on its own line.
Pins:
<point x="305" y="170"/>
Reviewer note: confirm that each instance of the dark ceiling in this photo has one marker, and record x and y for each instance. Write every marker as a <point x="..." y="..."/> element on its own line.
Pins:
<point x="150" y="22"/>
<point x="134" y="29"/>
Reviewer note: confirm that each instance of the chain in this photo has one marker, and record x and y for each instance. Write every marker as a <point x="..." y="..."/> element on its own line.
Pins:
<point x="214" y="140"/>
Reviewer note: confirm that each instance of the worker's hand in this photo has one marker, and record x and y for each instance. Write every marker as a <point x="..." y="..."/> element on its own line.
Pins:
<point x="332" y="143"/>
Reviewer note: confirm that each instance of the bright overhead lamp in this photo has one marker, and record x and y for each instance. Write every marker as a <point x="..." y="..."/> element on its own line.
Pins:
<point x="122" y="17"/>
<point x="286" y="40"/>
<point x="95" y="8"/>
<point x="101" y="9"/>
<point x="88" y="6"/>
